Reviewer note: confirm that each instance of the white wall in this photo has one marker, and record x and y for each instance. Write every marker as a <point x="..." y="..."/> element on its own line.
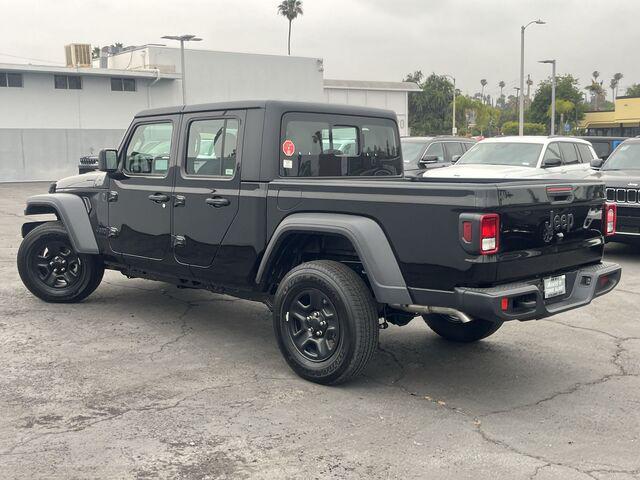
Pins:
<point x="391" y="100"/>
<point x="227" y="76"/>
<point x="39" y="105"/>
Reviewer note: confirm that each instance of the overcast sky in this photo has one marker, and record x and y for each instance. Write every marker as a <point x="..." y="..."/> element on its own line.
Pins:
<point x="358" y="39"/>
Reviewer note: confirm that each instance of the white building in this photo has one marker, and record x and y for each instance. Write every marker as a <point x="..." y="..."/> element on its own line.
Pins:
<point x="51" y="116"/>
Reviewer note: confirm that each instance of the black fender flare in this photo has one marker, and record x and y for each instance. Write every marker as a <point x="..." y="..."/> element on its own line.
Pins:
<point x="368" y="239"/>
<point x="71" y="210"/>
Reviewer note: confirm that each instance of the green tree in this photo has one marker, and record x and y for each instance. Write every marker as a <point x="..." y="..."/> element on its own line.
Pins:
<point x="563" y="107"/>
<point x="290" y="9"/>
<point x="634" y="90"/>
<point x="511" y="128"/>
<point x="613" y="84"/>
<point x="566" y="89"/>
<point x="430" y="109"/>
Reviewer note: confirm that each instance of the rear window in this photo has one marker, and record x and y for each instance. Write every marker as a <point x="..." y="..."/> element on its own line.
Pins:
<point x="318" y="145"/>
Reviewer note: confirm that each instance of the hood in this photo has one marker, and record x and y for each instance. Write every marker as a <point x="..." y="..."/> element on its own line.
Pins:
<point x="85" y="181"/>
<point x="484" y="171"/>
<point x="620" y="178"/>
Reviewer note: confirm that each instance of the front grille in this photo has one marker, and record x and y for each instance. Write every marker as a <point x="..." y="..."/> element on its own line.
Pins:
<point x="622" y="195"/>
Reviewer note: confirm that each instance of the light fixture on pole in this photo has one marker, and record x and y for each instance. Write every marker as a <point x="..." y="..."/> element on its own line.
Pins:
<point x="182" y="39"/>
<point x="553" y="94"/>
<point x="521" y="103"/>
<point x="454" y="130"/>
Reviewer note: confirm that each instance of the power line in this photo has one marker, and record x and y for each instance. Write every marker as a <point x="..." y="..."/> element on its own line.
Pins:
<point x="28" y="58"/>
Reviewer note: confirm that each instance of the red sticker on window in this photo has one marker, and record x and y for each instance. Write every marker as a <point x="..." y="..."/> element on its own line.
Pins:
<point x="288" y="148"/>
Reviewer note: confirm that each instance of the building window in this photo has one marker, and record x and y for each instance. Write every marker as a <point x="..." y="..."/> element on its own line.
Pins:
<point x="123" y="84"/>
<point x="67" y="82"/>
<point x="10" y="79"/>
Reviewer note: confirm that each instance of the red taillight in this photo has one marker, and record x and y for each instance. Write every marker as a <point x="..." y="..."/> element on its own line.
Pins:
<point x="489" y="234"/>
<point x="467" y="231"/>
<point x="610" y="216"/>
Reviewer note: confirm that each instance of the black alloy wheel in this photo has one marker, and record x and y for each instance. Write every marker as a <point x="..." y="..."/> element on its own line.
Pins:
<point x="313" y="325"/>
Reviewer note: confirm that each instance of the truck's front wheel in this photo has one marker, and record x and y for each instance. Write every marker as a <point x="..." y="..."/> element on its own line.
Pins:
<point x="451" y="328"/>
<point x="325" y="321"/>
<point x="52" y="270"/>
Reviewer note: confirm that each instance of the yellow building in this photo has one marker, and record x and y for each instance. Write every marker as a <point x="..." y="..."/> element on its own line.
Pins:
<point x="623" y="120"/>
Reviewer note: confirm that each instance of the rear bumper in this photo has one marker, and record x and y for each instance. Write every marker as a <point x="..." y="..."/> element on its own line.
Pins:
<point x="526" y="299"/>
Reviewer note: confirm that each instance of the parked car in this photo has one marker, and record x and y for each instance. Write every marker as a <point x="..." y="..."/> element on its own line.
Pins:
<point x="621" y="174"/>
<point x="522" y="157"/>
<point x="327" y="240"/>
<point x="603" y="146"/>
<point x="423" y="153"/>
<point x="88" y="163"/>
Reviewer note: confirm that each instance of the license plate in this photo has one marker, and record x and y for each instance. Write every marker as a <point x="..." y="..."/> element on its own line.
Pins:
<point x="555" y="286"/>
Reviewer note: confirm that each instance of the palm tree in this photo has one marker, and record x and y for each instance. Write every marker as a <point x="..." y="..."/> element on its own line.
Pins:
<point x="617" y="77"/>
<point x="613" y="85"/>
<point x="290" y="9"/>
<point x="483" y="82"/>
<point x="563" y="107"/>
<point x="95" y="53"/>
<point x="595" y="74"/>
<point x="501" y="84"/>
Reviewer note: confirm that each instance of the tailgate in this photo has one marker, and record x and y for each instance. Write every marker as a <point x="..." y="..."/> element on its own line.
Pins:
<point x="548" y="228"/>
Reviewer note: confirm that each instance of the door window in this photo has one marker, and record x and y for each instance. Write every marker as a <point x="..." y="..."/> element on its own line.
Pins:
<point x="149" y="149"/>
<point x="552" y="153"/>
<point x="435" y="150"/>
<point x="569" y="153"/>
<point x="211" y="147"/>
<point x="454" y="149"/>
<point x="585" y="153"/>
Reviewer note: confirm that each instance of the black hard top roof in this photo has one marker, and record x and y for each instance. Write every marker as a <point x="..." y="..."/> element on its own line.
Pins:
<point x="278" y="105"/>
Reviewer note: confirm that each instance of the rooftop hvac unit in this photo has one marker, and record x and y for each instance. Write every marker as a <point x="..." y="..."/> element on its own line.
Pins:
<point x="78" y="54"/>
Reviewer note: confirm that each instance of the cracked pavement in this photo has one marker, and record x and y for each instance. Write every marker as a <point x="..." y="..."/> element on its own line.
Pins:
<point x="145" y="381"/>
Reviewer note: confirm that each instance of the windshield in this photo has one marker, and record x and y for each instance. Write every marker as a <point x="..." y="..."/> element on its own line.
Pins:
<point x="625" y="157"/>
<point x="502" y="153"/>
<point x="411" y="150"/>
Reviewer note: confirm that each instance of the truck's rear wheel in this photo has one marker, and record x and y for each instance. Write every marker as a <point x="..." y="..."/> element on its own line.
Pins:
<point x="451" y="328"/>
<point x="325" y="321"/>
<point x="52" y="270"/>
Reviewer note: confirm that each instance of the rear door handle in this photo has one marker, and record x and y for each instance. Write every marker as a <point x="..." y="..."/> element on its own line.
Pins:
<point x="159" y="197"/>
<point x="217" y="202"/>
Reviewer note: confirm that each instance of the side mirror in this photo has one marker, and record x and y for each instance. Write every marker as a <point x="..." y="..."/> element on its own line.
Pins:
<point x="597" y="163"/>
<point x="455" y="158"/>
<point x="428" y="159"/>
<point x="108" y="160"/>
<point x="552" y="162"/>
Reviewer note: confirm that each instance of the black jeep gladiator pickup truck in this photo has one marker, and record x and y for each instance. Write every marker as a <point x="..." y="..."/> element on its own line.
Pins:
<point x="305" y="208"/>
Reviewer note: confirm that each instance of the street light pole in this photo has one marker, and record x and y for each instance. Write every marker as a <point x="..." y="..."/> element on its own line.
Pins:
<point x="183" y="73"/>
<point x="553" y="94"/>
<point x="521" y="95"/>
<point x="454" y="130"/>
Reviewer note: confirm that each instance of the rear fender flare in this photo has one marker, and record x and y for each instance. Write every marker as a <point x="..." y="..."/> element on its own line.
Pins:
<point x="71" y="210"/>
<point x="366" y="236"/>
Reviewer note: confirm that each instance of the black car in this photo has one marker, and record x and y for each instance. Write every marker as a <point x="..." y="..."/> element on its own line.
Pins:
<point x="422" y="153"/>
<point x="305" y="207"/>
<point x="88" y="163"/>
<point x="604" y="145"/>
<point x="621" y="174"/>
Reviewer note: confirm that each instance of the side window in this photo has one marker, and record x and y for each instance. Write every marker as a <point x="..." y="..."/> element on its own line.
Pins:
<point x="552" y="153"/>
<point x="453" y="149"/>
<point x="467" y="146"/>
<point x="149" y="149"/>
<point x="602" y="149"/>
<point x="211" y="147"/>
<point x="320" y="145"/>
<point x="585" y="153"/>
<point x="569" y="153"/>
<point x="435" y="150"/>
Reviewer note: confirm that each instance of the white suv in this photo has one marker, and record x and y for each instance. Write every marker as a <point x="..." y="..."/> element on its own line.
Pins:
<point x="522" y="157"/>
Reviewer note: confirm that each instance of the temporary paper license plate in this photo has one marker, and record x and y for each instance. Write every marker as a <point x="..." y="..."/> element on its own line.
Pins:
<point x="555" y="286"/>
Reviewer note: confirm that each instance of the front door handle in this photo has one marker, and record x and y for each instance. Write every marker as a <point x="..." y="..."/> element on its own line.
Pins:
<point x="159" y="197"/>
<point x="217" y="202"/>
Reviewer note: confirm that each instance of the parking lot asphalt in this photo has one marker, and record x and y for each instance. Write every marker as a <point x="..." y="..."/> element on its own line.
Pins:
<point x="143" y="380"/>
